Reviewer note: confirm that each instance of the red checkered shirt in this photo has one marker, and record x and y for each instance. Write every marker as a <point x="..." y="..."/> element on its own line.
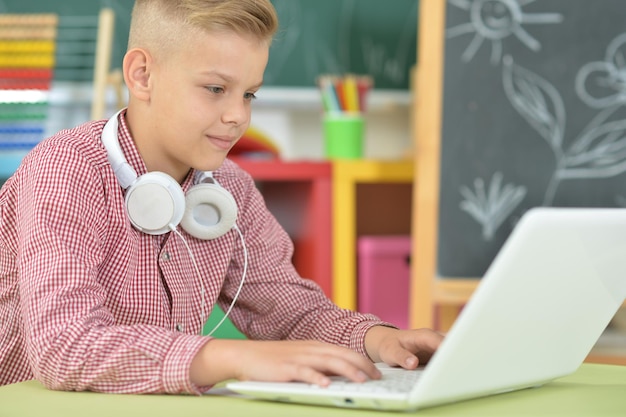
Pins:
<point x="87" y="302"/>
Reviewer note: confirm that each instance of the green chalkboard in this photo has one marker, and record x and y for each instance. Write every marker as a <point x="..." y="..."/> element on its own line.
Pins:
<point x="362" y="36"/>
<point x="317" y="36"/>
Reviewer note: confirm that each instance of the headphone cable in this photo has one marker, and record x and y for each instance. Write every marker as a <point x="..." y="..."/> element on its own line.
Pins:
<point x="243" y="275"/>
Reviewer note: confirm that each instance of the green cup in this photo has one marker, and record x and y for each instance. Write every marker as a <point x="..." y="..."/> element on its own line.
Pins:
<point x="343" y="136"/>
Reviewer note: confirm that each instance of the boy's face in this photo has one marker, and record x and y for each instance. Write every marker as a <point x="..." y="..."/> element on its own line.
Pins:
<point x="200" y="100"/>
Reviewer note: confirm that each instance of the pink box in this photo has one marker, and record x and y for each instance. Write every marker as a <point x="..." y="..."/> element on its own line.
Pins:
<point x="383" y="277"/>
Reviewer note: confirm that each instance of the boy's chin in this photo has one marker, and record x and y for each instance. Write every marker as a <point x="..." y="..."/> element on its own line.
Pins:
<point x="212" y="166"/>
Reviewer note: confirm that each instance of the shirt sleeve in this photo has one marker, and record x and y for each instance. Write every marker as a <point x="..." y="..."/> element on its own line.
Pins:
<point x="275" y="302"/>
<point x="72" y="340"/>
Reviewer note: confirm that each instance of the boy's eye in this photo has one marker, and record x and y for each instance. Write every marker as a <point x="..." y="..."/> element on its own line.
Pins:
<point x="216" y="90"/>
<point x="249" y="96"/>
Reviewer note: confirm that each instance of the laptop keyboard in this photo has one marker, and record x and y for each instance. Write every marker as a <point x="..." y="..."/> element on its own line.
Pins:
<point x="395" y="381"/>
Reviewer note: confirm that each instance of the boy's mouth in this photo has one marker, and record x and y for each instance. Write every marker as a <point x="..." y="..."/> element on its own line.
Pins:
<point x="222" y="142"/>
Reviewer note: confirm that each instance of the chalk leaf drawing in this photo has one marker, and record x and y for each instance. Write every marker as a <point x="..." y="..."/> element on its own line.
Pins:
<point x="601" y="84"/>
<point x="491" y="208"/>
<point x="599" y="151"/>
<point x="537" y="101"/>
<point x="495" y="20"/>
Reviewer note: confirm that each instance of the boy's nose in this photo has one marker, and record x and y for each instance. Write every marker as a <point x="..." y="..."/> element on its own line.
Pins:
<point x="236" y="112"/>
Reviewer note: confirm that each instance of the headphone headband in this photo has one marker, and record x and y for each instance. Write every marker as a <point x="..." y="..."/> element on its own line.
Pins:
<point x="124" y="173"/>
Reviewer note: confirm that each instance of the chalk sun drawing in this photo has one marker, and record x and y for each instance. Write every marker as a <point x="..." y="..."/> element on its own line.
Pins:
<point x="496" y="20"/>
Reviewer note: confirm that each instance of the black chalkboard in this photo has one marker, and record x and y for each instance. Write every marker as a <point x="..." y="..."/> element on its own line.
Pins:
<point x="316" y="37"/>
<point x="534" y="114"/>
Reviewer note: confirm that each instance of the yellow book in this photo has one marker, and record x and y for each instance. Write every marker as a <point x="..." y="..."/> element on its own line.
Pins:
<point x="27" y="47"/>
<point x="27" y="61"/>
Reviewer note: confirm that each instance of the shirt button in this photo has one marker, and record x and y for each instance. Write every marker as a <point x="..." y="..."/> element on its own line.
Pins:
<point x="166" y="256"/>
<point x="178" y="327"/>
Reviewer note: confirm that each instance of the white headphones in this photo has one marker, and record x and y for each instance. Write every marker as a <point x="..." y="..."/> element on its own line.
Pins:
<point x="156" y="204"/>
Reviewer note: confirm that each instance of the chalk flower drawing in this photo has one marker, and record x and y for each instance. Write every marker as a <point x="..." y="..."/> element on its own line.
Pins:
<point x="495" y="20"/>
<point x="602" y="84"/>
<point x="599" y="151"/>
<point x="491" y="208"/>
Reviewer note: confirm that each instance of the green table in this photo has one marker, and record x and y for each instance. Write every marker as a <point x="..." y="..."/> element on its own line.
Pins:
<point x="593" y="391"/>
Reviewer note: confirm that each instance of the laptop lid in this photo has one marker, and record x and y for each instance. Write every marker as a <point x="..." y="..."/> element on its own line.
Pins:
<point x="543" y="303"/>
<point x="541" y="306"/>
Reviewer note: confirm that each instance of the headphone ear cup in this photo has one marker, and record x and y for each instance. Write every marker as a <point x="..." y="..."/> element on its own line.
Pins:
<point x="154" y="203"/>
<point x="210" y="211"/>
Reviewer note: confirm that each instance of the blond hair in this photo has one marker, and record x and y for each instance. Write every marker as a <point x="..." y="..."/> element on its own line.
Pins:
<point x="160" y="25"/>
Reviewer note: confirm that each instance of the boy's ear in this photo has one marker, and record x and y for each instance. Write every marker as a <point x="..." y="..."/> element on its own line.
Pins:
<point x="137" y="67"/>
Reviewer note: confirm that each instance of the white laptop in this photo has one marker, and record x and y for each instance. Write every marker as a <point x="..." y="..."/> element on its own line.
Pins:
<point x="543" y="303"/>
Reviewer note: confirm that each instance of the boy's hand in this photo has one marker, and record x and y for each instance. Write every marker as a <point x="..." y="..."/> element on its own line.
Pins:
<point x="305" y="361"/>
<point x="405" y="348"/>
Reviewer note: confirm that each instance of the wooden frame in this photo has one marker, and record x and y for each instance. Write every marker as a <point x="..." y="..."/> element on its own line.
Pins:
<point x="427" y="292"/>
<point x="102" y="64"/>
<point x="102" y="75"/>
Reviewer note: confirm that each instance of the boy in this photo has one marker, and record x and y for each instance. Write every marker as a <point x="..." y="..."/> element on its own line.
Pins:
<point x="92" y="299"/>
